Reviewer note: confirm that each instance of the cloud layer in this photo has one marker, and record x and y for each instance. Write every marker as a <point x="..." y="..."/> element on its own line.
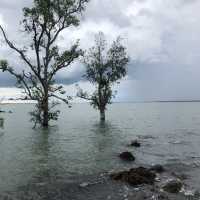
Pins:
<point x="162" y="38"/>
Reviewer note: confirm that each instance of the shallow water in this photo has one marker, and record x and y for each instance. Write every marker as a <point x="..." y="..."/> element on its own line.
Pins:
<point x="78" y="145"/>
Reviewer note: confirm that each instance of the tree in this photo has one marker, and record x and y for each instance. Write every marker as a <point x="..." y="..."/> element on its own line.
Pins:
<point x="43" y="23"/>
<point x="104" y="67"/>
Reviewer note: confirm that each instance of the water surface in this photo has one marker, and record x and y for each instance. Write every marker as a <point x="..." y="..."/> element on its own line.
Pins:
<point x="77" y="144"/>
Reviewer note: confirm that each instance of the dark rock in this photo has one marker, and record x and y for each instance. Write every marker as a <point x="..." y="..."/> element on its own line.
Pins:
<point x="135" y="143"/>
<point x="157" y="168"/>
<point x="162" y="196"/>
<point x="197" y="194"/>
<point x="127" y="156"/>
<point x="173" y="186"/>
<point x="135" y="176"/>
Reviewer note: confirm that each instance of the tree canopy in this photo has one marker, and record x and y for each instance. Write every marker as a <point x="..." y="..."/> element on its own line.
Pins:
<point x="104" y="67"/>
<point x="43" y="23"/>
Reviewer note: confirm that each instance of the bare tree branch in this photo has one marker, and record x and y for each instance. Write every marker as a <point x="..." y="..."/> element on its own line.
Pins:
<point x="43" y="22"/>
<point x="21" y="52"/>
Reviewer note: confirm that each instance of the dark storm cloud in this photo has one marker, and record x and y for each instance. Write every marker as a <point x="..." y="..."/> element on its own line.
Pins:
<point x="162" y="38"/>
<point x="6" y="80"/>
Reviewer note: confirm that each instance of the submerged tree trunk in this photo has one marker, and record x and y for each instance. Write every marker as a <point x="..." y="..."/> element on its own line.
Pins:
<point x="45" y="120"/>
<point x="102" y="115"/>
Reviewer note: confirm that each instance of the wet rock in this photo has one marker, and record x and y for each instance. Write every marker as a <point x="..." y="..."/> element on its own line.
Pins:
<point x="127" y="156"/>
<point x="197" y="194"/>
<point x="173" y="186"/>
<point x="157" y="168"/>
<point x="135" y="143"/>
<point x="135" y="176"/>
<point x="160" y="197"/>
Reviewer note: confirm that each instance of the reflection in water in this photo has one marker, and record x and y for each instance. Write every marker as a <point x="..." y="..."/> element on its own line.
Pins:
<point x="40" y="144"/>
<point x="46" y="166"/>
<point x="2" y="123"/>
<point x="104" y="140"/>
<point x="102" y="127"/>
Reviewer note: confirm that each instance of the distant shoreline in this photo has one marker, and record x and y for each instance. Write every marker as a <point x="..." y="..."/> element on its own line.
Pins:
<point x="171" y="101"/>
<point x="6" y="102"/>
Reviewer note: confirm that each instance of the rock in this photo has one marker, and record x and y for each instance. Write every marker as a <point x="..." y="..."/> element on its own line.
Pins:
<point x="135" y="143"/>
<point x="197" y="194"/>
<point x="135" y="176"/>
<point x="157" y="168"/>
<point x="162" y="196"/>
<point x="127" y="156"/>
<point x="173" y="186"/>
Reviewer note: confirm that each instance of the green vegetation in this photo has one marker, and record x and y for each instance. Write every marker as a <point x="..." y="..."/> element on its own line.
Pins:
<point x="43" y="23"/>
<point x="104" y="67"/>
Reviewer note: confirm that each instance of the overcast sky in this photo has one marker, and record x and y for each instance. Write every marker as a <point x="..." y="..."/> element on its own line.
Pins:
<point x="162" y="37"/>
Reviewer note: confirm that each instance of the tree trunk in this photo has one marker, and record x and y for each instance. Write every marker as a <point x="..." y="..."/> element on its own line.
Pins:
<point x="45" y="119"/>
<point x="102" y="115"/>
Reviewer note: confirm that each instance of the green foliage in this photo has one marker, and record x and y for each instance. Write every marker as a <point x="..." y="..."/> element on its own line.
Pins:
<point x="104" y="67"/>
<point x="37" y="113"/>
<point x="53" y="12"/>
<point x="3" y="65"/>
<point x="43" y="23"/>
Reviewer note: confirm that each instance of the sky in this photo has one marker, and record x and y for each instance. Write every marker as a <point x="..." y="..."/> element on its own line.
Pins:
<point x="162" y="38"/>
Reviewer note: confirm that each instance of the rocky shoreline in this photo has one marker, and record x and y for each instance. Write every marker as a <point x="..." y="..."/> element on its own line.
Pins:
<point x="102" y="187"/>
<point x="159" y="183"/>
<point x="155" y="182"/>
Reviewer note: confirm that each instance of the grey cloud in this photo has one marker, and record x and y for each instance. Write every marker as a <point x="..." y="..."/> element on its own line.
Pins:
<point x="6" y="80"/>
<point x="162" y="39"/>
<point x="12" y="12"/>
<point x="108" y="10"/>
<point x="144" y="12"/>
